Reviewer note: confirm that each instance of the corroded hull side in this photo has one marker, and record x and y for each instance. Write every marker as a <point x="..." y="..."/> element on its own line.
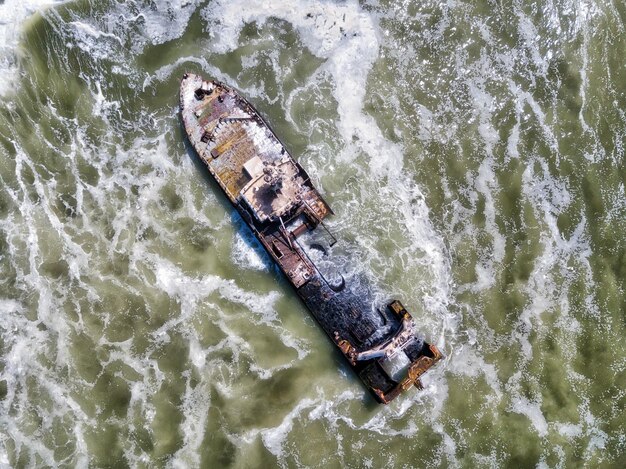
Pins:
<point x="276" y="198"/>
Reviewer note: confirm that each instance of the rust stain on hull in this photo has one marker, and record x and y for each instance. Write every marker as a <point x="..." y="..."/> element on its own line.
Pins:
<point x="276" y="198"/>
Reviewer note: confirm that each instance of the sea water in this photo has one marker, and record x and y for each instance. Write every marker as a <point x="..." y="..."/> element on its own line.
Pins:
<point x="473" y="153"/>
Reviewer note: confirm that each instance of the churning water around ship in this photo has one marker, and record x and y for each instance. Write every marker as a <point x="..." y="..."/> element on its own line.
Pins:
<point x="473" y="152"/>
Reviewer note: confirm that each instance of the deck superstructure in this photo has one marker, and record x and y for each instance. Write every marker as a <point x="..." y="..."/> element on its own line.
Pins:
<point x="276" y="198"/>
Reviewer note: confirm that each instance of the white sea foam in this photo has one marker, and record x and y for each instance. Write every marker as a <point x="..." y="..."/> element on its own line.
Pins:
<point x="333" y="414"/>
<point x="195" y="407"/>
<point x="190" y="291"/>
<point x="342" y="34"/>
<point x="532" y="410"/>
<point x="167" y="19"/>
<point x="96" y="43"/>
<point x="48" y="334"/>
<point x="247" y="252"/>
<point x="25" y="340"/>
<point x="274" y="438"/>
<point x="13" y="14"/>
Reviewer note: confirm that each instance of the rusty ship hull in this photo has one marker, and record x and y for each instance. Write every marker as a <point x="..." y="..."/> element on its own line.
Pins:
<point x="276" y="198"/>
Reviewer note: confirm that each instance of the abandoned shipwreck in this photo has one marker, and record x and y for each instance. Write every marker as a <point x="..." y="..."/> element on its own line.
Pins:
<point x="275" y="197"/>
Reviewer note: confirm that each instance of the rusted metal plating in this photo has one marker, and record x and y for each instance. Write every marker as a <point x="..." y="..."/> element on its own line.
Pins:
<point x="276" y="198"/>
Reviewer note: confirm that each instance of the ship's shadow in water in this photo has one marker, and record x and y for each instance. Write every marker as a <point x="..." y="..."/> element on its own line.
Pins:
<point x="248" y="237"/>
<point x="244" y="230"/>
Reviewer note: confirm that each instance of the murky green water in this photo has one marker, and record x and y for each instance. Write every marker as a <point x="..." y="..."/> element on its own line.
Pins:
<point x="473" y="153"/>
